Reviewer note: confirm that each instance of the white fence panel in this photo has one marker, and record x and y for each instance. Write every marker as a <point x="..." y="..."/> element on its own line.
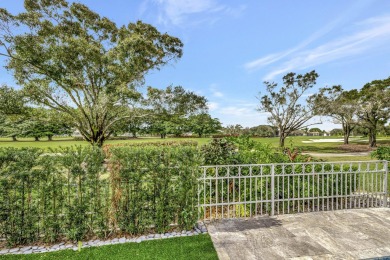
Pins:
<point x="231" y="191"/>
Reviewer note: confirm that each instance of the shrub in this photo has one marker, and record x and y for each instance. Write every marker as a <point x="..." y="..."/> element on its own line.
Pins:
<point x="50" y="195"/>
<point x="18" y="177"/>
<point x="154" y="186"/>
<point x="382" y="153"/>
<point x="220" y="151"/>
<point x="67" y="193"/>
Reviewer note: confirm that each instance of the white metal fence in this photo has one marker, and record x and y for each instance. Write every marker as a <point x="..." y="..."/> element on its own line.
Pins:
<point x="231" y="191"/>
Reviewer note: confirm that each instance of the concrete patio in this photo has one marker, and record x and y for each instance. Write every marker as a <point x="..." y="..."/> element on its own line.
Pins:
<point x="342" y="234"/>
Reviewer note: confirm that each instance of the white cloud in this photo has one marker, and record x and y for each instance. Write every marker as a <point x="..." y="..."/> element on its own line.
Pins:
<point x="345" y="15"/>
<point x="212" y="106"/>
<point x="175" y="11"/>
<point x="242" y="110"/>
<point x="218" y="94"/>
<point x="376" y="32"/>
<point x="214" y="91"/>
<point x="189" y="12"/>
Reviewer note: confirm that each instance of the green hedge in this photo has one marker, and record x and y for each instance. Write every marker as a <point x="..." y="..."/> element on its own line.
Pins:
<point x="48" y="196"/>
<point x="68" y="193"/>
<point x="154" y="186"/>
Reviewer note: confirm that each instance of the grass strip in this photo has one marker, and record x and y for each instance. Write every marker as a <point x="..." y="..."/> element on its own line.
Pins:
<point x="193" y="247"/>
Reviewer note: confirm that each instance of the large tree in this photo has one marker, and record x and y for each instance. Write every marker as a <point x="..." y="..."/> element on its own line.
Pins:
<point x="171" y="108"/>
<point x="71" y="59"/>
<point x="374" y="106"/>
<point x="263" y="131"/>
<point x="46" y="122"/>
<point x="339" y="104"/>
<point x="236" y="129"/>
<point x="288" y="111"/>
<point x="203" y="123"/>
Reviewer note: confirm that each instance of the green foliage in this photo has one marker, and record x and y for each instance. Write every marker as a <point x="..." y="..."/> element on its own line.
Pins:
<point x="219" y="151"/>
<point x="18" y="176"/>
<point x="262" y="131"/>
<point x="49" y="195"/>
<point x="171" y="108"/>
<point x="203" y="123"/>
<point x="67" y="192"/>
<point x="374" y="108"/>
<point x="291" y="180"/>
<point x="339" y="104"/>
<point x="80" y="63"/>
<point x="154" y="185"/>
<point x="287" y="112"/>
<point x="12" y="102"/>
<point x="243" y="150"/>
<point x="382" y="153"/>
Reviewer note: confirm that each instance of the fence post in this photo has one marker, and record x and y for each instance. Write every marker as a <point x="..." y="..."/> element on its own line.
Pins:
<point x="273" y="189"/>
<point x="385" y="183"/>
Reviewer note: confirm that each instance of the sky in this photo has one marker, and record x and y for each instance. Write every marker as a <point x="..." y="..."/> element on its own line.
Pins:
<point x="232" y="47"/>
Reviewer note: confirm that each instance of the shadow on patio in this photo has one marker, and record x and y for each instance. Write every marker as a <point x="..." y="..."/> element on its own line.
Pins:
<point x="342" y="234"/>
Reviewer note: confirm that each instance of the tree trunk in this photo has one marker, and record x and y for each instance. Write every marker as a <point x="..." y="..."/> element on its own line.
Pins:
<point x="14" y="138"/>
<point x="281" y="140"/>
<point x="372" y="138"/>
<point x="36" y="138"/>
<point x="98" y="140"/>
<point x="50" y="137"/>
<point x="134" y="134"/>
<point x="346" y="138"/>
<point x="346" y="132"/>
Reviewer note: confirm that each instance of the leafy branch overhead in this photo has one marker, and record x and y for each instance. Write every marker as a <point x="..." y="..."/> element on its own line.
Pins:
<point x="71" y="59"/>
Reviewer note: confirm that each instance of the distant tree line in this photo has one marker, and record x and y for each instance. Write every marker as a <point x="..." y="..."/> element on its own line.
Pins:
<point x="367" y="109"/>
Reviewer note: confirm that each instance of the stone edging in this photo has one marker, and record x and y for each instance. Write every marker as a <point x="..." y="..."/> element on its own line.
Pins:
<point x="200" y="228"/>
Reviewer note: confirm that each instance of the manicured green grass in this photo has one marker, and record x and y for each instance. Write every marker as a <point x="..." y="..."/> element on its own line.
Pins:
<point x="68" y="141"/>
<point x="194" y="247"/>
<point x="300" y="142"/>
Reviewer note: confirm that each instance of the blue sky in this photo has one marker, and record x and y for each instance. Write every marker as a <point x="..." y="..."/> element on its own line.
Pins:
<point x="231" y="47"/>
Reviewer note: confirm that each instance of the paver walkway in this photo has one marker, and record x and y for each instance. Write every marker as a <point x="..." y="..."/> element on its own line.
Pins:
<point x="342" y="234"/>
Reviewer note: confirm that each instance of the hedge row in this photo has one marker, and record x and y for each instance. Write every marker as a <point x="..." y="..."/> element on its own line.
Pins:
<point x="69" y="195"/>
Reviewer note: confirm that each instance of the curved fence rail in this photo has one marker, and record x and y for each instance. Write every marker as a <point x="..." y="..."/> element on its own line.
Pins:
<point x="232" y="191"/>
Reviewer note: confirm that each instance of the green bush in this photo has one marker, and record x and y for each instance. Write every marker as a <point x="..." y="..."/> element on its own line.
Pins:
<point x="69" y="194"/>
<point x="154" y="186"/>
<point x="51" y="195"/>
<point x="382" y="153"/>
<point x="220" y="152"/>
<point x="243" y="150"/>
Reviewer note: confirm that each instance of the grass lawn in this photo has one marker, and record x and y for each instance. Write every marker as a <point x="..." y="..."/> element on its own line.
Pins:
<point x="194" y="247"/>
<point x="302" y="142"/>
<point x="68" y="141"/>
